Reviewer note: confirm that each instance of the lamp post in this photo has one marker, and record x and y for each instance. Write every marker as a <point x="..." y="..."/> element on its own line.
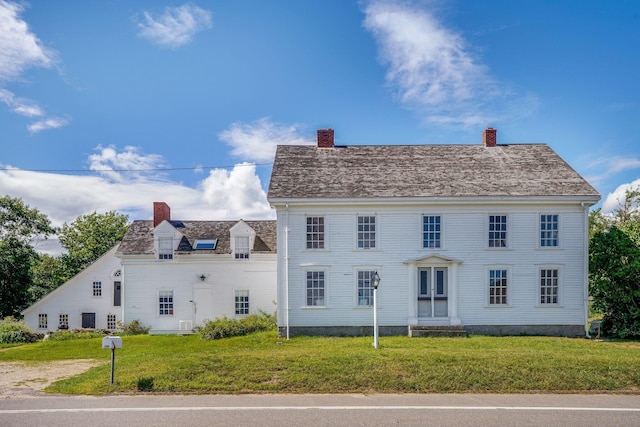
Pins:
<point x="375" y="281"/>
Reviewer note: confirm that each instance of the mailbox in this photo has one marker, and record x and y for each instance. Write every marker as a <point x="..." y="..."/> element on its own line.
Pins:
<point x="111" y="342"/>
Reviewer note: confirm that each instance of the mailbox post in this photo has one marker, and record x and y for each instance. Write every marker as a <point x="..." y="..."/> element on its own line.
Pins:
<point x="112" y="343"/>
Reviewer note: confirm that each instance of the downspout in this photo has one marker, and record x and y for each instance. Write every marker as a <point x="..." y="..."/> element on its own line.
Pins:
<point x="286" y="269"/>
<point x="586" y="268"/>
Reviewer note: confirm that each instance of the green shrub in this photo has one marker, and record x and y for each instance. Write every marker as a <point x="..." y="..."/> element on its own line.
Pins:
<point x="145" y="384"/>
<point x="134" y="328"/>
<point x="16" y="331"/>
<point x="76" y="334"/>
<point x="225" y="327"/>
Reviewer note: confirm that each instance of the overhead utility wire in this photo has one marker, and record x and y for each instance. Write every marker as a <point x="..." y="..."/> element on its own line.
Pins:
<point x="134" y="170"/>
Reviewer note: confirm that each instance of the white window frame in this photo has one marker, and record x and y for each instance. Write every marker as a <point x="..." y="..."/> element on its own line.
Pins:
<point x="364" y="287"/>
<point x="439" y="232"/>
<point x="111" y="322"/>
<point x="165" y="248"/>
<point x="209" y="244"/>
<point x="544" y="238"/>
<point x="541" y="285"/>
<point x="241" y="302"/>
<point x="241" y="249"/>
<point x="97" y="288"/>
<point x="364" y="230"/>
<point x="43" y="323"/>
<point x="315" y="236"/>
<point x="63" y="319"/>
<point x="507" y="287"/>
<point x="165" y="308"/>
<point x="314" y="296"/>
<point x="491" y="238"/>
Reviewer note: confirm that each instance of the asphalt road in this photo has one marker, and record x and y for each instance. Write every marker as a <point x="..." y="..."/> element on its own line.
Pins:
<point x="322" y="410"/>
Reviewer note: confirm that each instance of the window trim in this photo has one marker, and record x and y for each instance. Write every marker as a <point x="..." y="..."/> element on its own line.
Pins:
<point x="364" y="269"/>
<point x="245" y="254"/>
<point x="440" y="232"/>
<point x="307" y="233"/>
<point x="375" y="232"/>
<point x="325" y="274"/>
<point x="508" y="287"/>
<point x="557" y="238"/>
<point x="559" y="286"/>
<point x="507" y="231"/>
<point x="170" y="305"/>
<point x="165" y="251"/>
<point x="240" y="305"/>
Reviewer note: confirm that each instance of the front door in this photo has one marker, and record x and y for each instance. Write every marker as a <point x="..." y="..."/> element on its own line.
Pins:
<point x="433" y="292"/>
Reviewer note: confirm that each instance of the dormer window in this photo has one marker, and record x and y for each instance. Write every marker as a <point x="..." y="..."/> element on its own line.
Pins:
<point x="165" y="248"/>
<point x="202" y="244"/>
<point x="241" y="250"/>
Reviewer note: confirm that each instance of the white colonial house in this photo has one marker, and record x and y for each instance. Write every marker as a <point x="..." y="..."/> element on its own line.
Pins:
<point x="171" y="276"/>
<point x="491" y="238"/>
<point x="91" y="299"/>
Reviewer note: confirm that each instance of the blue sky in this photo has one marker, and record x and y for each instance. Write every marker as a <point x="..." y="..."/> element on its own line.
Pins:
<point x="114" y="104"/>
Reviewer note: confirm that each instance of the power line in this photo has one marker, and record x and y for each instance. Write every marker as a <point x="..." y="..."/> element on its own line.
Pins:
<point x="137" y="170"/>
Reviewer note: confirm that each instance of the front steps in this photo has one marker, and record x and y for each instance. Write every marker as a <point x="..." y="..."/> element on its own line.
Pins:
<point x="437" y="331"/>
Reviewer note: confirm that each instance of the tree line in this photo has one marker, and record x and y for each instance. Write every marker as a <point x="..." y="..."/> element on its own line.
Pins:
<point x="26" y="275"/>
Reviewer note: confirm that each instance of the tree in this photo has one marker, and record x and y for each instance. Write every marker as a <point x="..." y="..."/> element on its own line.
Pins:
<point x="20" y="226"/>
<point x="614" y="282"/>
<point x="614" y="267"/>
<point x="48" y="273"/>
<point x="90" y="236"/>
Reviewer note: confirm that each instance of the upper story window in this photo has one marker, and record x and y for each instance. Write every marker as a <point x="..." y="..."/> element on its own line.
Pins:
<point x="315" y="289"/>
<point x="315" y="232"/>
<point x="548" y="231"/>
<point x="366" y="232"/>
<point x="165" y="248"/>
<point x="497" y="231"/>
<point x="165" y="303"/>
<point x="548" y="286"/>
<point x="431" y="231"/>
<point x="498" y="286"/>
<point x="241" y="249"/>
<point x="97" y="289"/>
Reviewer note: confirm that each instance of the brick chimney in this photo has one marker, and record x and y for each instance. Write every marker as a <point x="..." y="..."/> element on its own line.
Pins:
<point x="161" y="212"/>
<point x="489" y="138"/>
<point x="325" y="138"/>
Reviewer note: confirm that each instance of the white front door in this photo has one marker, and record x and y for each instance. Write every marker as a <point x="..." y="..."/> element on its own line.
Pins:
<point x="433" y="295"/>
<point x="202" y="304"/>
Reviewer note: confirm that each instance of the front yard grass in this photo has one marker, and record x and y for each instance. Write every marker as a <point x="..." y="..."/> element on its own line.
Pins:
<point x="263" y="363"/>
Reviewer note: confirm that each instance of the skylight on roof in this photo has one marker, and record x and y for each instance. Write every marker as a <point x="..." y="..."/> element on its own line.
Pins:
<point x="205" y="244"/>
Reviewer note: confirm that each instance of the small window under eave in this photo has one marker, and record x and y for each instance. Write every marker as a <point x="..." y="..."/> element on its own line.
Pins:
<point x="209" y="244"/>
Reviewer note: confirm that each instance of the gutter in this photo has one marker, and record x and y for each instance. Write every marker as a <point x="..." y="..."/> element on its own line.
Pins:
<point x="586" y="267"/>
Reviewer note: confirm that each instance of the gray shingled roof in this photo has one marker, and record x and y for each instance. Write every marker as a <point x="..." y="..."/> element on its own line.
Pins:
<point x="139" y="237"/>
<point x="367" y="171"/>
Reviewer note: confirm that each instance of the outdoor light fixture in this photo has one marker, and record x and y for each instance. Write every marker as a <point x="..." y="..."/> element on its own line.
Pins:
<point x="375" y="281"/>
<point x="202" y="277"/>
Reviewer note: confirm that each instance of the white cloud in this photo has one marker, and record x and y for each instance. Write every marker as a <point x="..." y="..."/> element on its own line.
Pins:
<point x="176" y="26"/>
<point x="434" y="70"/>
<point x="50" y="123"/>
<point x="22" y="106"/>
<point x="19" y="47"/>
<point x="257" y="141"/>
<point x="609" y="166"/>
<point x="126" y="165"/>
<point x="223" y="194"/>
<point x="615" y="199"/>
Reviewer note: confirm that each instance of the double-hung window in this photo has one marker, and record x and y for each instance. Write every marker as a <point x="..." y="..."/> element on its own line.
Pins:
<point x="165" y="248"/>
<point x="365" y="288"/>
<point x="431" y="231"/>
<point x="241" y="250"/>
<point x="165" y="303"/>
<point x="97" y="289"/>
<point x="315" y="232"/>
<point x="548" y="231"/>
<point x="548" y="286"/>
<point x="315" y="289"/>
<point x="498" y="286"/>
<point x="366" y="232"/>
<point x="242" y="302"/>
<point x="497" y="231"/>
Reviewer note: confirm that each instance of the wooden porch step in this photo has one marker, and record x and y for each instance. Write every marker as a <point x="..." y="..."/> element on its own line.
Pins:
<point x="437" y="331"/>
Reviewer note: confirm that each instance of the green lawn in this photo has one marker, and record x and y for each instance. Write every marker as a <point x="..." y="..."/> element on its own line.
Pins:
<point x="262" y="363"/>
